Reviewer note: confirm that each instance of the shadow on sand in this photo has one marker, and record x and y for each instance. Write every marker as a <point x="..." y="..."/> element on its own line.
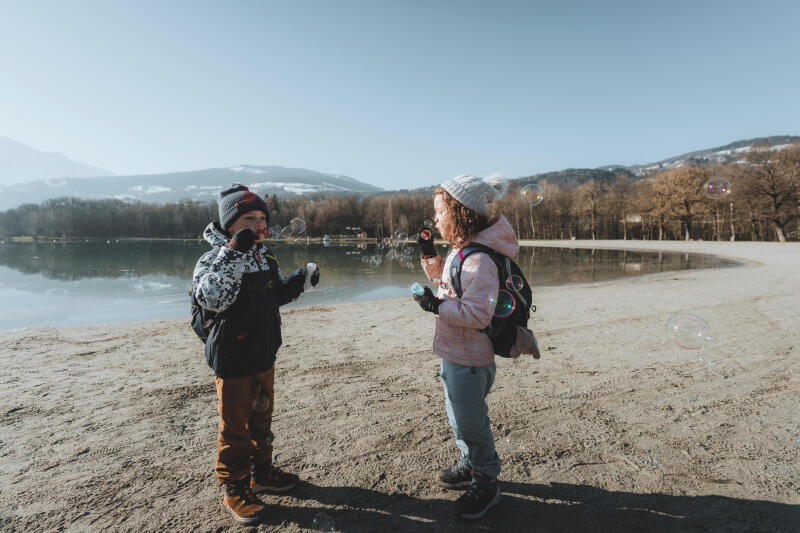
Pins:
<point x="555" y="507"/>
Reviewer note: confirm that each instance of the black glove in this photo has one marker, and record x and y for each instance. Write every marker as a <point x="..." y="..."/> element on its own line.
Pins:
<point x="426" y="245"/>
<point x="428" y="301"/>
<point x="315" y="277"/>
<point x="296" y="280"/>
<point x="244" y="239"/>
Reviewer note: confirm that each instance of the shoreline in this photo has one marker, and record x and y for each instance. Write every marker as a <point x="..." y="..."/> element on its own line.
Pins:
<point x="615" y="428"/>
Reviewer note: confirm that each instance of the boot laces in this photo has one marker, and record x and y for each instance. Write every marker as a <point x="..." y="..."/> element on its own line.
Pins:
<point x="245" y="492"/>
<point x="274" y="472"/>
<point x="474" y="490"/>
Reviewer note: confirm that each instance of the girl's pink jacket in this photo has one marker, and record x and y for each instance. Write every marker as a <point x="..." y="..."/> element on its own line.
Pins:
<point x="458" y="335"/>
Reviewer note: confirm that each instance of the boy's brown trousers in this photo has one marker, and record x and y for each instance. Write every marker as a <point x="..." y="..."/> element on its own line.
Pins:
<point x="245" y="418"/>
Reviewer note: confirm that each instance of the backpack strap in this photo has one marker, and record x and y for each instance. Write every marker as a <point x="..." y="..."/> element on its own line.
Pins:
<point x="503" y="263"/>
<point x="458" y="262"/>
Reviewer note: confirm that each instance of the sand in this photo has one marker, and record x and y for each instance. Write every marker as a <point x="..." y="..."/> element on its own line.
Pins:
<point x="113" y="428"/>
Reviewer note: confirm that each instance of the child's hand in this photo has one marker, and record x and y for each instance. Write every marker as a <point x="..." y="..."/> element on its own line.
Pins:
<point x="428" y="301"/>
<point x="244" y="239"/>
<point x="425" y="241"/>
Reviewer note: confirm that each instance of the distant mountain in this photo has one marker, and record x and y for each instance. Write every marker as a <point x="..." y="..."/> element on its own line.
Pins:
<point x="201" y="185"/>
<point x="730" y="153"/>
<point x="20" y="163"/>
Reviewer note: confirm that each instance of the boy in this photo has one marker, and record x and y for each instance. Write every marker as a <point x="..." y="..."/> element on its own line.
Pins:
<point x="239" y="279"/>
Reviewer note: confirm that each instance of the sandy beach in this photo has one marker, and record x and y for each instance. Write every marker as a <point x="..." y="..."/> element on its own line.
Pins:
<point x="113" y="428"/>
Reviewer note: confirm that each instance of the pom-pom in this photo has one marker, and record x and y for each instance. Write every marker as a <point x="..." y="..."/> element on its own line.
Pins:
<point x="498" y="182"/>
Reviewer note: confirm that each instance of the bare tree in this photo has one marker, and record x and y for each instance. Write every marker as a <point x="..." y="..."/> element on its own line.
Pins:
<point x="587" y="203"/>
<point x="768" y="177"/>
<point x="683" y="187"/>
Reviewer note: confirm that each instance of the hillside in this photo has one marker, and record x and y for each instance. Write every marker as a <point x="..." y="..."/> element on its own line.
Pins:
<point x="194" y="185"/>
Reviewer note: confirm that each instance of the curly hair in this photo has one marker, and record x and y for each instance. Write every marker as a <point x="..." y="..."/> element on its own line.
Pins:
<point x="466" y="222"/>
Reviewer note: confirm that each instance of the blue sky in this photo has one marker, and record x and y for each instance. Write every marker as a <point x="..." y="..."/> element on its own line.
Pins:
<point x="397" y="94"/>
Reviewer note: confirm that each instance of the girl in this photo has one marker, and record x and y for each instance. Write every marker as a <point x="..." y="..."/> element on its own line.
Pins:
<point x="468" y="368"/>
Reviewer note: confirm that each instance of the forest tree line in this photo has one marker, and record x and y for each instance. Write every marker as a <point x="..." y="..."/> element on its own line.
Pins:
<point x="763" y="205"/>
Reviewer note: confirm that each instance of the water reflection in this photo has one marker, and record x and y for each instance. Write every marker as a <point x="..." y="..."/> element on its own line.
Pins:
<point x="91" y="282"/>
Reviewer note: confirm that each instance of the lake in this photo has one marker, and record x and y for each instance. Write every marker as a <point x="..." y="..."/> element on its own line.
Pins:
<point x="97" y="282"/>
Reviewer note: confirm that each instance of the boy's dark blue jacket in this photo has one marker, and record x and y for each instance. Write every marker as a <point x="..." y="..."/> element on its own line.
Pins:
<point x="246" y="289"/>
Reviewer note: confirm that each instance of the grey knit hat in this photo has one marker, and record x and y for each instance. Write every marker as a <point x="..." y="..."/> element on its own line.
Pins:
<point x="473" y="192"/>
<point x="236" y="201"/>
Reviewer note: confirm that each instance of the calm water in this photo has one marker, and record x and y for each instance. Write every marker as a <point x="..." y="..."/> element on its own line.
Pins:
<point x="105" y="282"/>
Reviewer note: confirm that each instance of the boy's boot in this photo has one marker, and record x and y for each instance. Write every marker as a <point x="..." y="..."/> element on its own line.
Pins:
<point x="482" y="494"/>
<point x="240" y="500"/>
<point x="268" y="477"/>
<point x="456" y="477"/>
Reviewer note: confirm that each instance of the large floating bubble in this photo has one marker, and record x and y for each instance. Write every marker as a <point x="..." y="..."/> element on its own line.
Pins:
<point x="504" y="304"/>
<point x="717" y="188"/>
<point x="286" y="231"/>
<point x="688" y="330"/>
<point x="298" y="225"/>
<point x="532" y="194"/>
<point x="514" y="283"/>
<point x="428" y="223"/>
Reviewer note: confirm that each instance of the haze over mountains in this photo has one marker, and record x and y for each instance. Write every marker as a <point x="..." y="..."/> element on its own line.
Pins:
<point x="20" y="163"/>
<point x="56" y="180"/>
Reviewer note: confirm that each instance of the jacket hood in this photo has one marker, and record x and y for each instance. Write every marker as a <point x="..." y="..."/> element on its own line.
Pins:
<point x="215" y="236"/>
<point x="499" y="236"/>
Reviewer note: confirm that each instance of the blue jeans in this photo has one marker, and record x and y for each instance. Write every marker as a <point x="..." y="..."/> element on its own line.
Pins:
<point x="465" y="390"/>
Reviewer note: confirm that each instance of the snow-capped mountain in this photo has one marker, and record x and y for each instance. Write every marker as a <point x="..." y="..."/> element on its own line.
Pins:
<point x="20" y="163"/>
<point x="730" y="153"/>
<point x="201" y="185"/>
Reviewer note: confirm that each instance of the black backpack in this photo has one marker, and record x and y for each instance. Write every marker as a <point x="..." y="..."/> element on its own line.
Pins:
<point x="202" y="319"/>
<point x="501" y="331"/>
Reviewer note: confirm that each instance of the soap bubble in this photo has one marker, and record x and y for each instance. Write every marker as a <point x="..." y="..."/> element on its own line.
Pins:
<point x="532" y="194"/>
<point x="391" y="255"/>
<point x="514" y="283"/>
<point x="364" y="259"/>
<point x="717" y="188"/>
<point x="379" y="246"/>
<point x="323" y="522"/>
<point x="376" y="260"/>
<point x="688" y="330"/>
<point x="510" y="444"/>
<point x="401" y="236"/>
<point x="504" y="304"/>
<point x="428" y="223"/>
<point x="298" y="225"/>
<point x="286" y="231"/>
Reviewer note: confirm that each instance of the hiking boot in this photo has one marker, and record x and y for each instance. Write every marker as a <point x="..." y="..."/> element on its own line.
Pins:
<point x="482" y="494"/>
<point x="456" y="477"/>
<point x="240" y="500"/>
<point x="270" y="477"/>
